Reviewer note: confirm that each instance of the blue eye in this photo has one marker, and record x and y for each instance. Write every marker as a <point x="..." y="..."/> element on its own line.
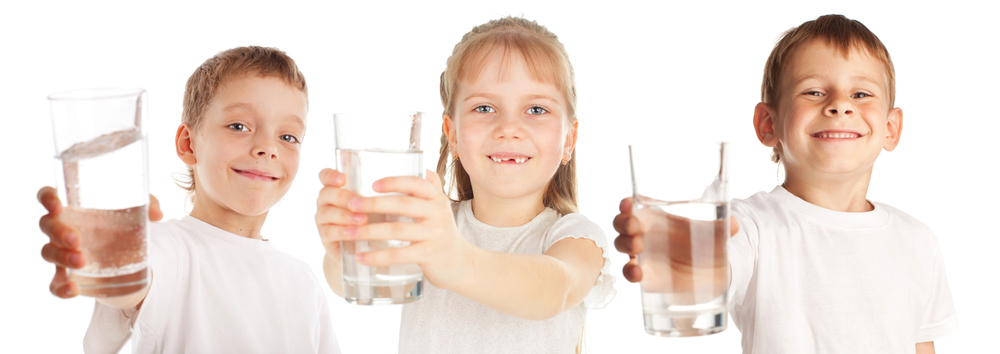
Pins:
<point x="289" y="138"/>
<point x="814" y="93"/>
<point x="485" y="109"/>
<point x="536" y="110"/>
<point x="238" y="127"/>
<point x="862" y="95"/>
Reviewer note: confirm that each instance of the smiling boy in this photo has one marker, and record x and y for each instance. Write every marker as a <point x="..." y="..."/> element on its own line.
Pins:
<point x="816" y="267"/>
<point x="217" y="286"/>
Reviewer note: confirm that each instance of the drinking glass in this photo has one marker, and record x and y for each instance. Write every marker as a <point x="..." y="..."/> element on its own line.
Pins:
<point x="680" y="196"/>
<point x="371" y="146"/>
<point x="100" y="142"/>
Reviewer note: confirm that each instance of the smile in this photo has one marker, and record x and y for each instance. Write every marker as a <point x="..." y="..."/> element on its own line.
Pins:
<point x="836" y="135"/>
<point x="508" y="158"/>
<point x="256" y="175"/>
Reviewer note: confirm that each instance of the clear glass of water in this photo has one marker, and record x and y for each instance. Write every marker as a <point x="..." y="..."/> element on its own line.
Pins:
<point x="372" y="146"/>
<point x="681" y="196"/>
<point x="101" y="169"/>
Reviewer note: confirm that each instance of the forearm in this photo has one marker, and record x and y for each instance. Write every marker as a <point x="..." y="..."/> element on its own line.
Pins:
<point x="334" y="277"/>
<point x="534" y="287"/>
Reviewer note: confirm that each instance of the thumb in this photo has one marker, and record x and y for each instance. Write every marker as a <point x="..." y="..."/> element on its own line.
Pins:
<point x="154" y="209"/>
<point x="734" y="226"/>
<point x="435" y="180"/>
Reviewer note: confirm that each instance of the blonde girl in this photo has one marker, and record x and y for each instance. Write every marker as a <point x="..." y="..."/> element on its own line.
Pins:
<point x="512" y="267"/>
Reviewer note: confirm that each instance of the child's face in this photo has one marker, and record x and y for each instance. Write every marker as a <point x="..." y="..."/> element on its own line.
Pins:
<point x="511" y="132"/>
<point x="246" y="150"/>
<point x="833" y="115"/>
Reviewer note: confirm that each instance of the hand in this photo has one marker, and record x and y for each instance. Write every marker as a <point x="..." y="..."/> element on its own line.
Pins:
<point x="63" y="248"/>
<point x="631" y="227"/>
<point x="435" y="244"/>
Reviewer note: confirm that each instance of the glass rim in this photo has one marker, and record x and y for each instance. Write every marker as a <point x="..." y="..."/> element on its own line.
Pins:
<point x="95" y="94"/>
<point x="369" y="113"/>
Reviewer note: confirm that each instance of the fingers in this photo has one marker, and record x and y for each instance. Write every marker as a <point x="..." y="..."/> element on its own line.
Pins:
<point x="632" y="271"/>
<point x="631" y="245"/>
<point x="733" y="226"/>
<point x="59" y="234"/>
<point x="625" y="206"/>
<point x="62" y="257"/>
<point x="627" y="224"/>
<point x="392" y="256"/>
<point x="49" y="199"/>
<point x="61" y="286"/>
<point x="332" y="178"/>
<point x="413" y="186"/>
<point x="393" y="205"/>
<point x="406" y="231"/>
<point x="154" y="209"/>
<point x="334" y="196"/>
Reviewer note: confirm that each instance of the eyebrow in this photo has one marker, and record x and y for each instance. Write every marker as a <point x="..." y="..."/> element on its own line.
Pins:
<point x="493" y="97"/>
<point x="855" y="78"/>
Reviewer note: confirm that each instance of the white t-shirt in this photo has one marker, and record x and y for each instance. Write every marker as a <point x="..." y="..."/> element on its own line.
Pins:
<point x="216" y="292"/>
<point x="445" y="322"/>
<point x="812" y="280"/>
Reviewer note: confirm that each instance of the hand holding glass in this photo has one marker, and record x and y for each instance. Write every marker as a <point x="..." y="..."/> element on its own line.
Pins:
<point x="681" y="190"/>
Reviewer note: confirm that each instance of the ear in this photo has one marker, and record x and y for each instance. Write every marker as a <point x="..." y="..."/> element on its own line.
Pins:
<point x="449" y="129"/>
<point x="570" y="141"/>
<point x="763" y="123"/>
<point x="185" y="145"/>
<point x="893" y="128"/>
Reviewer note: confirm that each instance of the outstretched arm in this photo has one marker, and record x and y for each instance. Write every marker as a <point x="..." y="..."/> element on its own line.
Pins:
<point x="526" y="286"/>
<point x="925" y="348"/>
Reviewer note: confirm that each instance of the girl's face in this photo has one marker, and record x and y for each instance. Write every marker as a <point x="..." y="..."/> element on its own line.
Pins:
<point x="510" y="131"/>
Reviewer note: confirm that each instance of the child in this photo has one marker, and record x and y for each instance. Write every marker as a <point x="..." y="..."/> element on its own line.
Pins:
<point x="815" y="266"/>
<point x="217" y="285"/>
<point x="510" y="263"/>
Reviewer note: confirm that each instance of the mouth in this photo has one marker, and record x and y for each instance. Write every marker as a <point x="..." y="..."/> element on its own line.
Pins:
<point x="256" y="175"/>
<point x="508" y="158"/>
<point x="836" y="135"/>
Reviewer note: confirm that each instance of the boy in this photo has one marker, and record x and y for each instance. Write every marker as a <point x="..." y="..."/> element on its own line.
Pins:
<point x="815" y="266"/>
<point x="217" y="285"/>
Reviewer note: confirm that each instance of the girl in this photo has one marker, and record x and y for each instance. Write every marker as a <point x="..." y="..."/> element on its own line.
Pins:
<point x="510" y="263"/>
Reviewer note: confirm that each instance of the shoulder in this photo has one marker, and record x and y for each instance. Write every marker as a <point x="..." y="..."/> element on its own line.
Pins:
<point x="909" y="226"/>
<point x="574" y="225"/>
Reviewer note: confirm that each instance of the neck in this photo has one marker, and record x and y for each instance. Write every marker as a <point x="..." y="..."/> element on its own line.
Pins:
<point x="838" y="193"/>
<point x="228" y="219"/>
<point x="506" y="212"/>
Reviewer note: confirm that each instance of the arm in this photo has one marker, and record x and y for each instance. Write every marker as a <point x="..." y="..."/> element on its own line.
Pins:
<point x="527" y="286"/>
<point x="925" y="348"/>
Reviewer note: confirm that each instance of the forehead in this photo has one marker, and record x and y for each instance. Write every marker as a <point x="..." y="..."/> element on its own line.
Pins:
<point x="504" y="60"/>
<point x="820" y="59"/>
<point x="267" y="95"/>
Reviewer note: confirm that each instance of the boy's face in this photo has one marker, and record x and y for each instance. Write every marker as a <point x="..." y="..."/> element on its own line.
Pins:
<point x="833" y="115"/>
<point x="246" y="151"/>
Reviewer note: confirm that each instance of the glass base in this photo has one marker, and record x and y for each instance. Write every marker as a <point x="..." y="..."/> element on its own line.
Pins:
<point x="110" y="286"/>
<point x="664" y="325"/>
<point x="368" y="294"/>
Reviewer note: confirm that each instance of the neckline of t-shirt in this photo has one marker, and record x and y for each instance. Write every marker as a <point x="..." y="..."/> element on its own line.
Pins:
<point x="875" y="218"/>
<point x="465" y="207"/>
<point x="263" y="246"/>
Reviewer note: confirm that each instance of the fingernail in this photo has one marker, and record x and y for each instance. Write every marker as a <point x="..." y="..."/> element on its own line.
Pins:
<point x="354" y="203"/>
<point x="76" y="259"/>
<point x="339" y="178"/>
<point x="350" y="231"/>
<point x="358" y="218"/>
<point x="360" y="257"/>
<point x="377" y="186"/>
<point x="71" y="239"/>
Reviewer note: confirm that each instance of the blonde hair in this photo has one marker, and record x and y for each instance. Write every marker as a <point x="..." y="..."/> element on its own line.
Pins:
<point x="838" y="31"/>
<point x="238" y="62"/>
<point x="546" y="60"/>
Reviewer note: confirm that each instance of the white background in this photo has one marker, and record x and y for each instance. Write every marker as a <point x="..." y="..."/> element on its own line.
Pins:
<point x="646" y="72"/>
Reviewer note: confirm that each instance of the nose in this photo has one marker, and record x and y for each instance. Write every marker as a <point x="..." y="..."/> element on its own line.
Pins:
<point x="266" y="148"/>
<point x="839" y="104"/>
<point x="509" y="125"/>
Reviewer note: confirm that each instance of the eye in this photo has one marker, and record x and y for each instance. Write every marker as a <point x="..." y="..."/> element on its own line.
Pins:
<point x="484" y="109"/>
<point x="536" y="110"/>
<point x="238" y="127"/>
<point x="861" y="95"/>
<point x="814" y="93"/>
<point x="288" y="138"/>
